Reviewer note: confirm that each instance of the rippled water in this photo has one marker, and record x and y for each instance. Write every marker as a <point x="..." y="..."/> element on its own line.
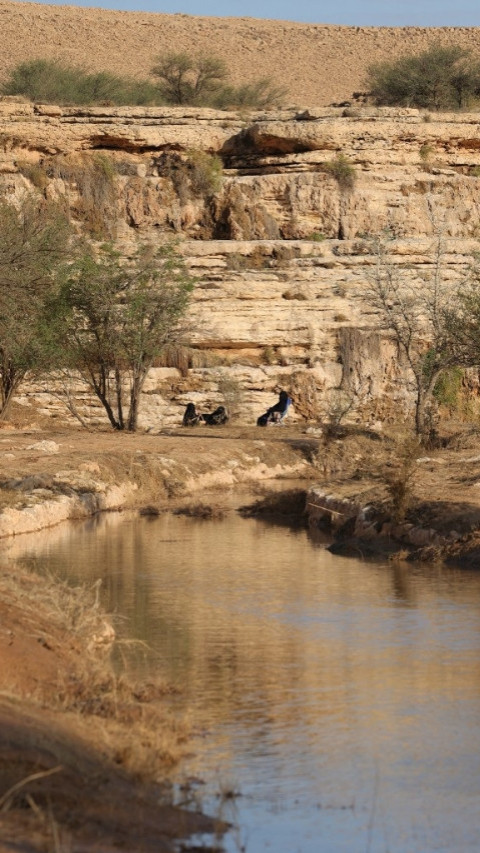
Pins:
<point x="341" y="698"/>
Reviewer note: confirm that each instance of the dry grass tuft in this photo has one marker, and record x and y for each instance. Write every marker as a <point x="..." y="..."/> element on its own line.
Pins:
<point x="149" y="511"/>
<point x="202" y="511"/>
<point x="10" y="498"/>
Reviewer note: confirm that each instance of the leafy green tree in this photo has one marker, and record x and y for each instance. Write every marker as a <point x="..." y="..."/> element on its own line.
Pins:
<point x="117" y="317"/>
<point x="441" y="77"/>
<point x="33" y="244"/>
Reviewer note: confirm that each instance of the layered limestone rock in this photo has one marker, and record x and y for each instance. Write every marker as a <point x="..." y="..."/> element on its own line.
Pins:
<point x="278" y="215"/>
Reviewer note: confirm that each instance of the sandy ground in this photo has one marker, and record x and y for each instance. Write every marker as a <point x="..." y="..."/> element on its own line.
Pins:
<point x="317" y="64"/>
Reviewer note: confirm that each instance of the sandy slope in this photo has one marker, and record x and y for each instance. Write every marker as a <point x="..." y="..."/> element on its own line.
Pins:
<point x="318" y="64"/>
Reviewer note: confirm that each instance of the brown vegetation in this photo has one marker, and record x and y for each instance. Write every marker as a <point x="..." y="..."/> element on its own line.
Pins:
<point x="76" y="740"/>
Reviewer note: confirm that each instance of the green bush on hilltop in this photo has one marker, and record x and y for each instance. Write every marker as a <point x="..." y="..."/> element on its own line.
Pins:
<point x="52" y="82"/>
<point x="441" y="77"/>
<point x="181" y="78"/>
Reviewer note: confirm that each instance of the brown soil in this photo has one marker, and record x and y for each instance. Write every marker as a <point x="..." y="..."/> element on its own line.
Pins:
<point x="317" y="64"/>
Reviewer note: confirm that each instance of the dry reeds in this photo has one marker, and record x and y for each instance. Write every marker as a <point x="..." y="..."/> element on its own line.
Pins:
<point x="130" y="721"/>
<point x="399" y="477"/>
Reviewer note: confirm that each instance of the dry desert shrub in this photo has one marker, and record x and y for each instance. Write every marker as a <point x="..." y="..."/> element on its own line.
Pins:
<point x="195" y="174"/>
<point x="232" y="394"/>
<point x="91" y="190"/>
<point x="399" y="474"/>
<point x="10" y="498"/>
<point x="76" y="609"/>
<point x="143" y="471"/>
<point x="35" y="173"/>
<point x="343" y="170"/>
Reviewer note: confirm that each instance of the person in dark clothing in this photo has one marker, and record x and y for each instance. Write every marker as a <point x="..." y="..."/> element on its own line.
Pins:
<point x="275" y="414"/>
<point x="216" y="418"/>
<point x="191" y="416"/>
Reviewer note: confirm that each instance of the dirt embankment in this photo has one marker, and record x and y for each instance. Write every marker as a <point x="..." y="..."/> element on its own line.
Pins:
<point x="84" y="754"/>
<point x="316" y="63"/>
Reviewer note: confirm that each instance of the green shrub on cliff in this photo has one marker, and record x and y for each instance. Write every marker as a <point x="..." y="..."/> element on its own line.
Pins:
<point x="440" y="78"/>
<point x="343" y="170"/>
<point x="194" y="174"/>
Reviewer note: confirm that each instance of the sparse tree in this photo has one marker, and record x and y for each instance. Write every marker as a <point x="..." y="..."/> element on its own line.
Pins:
<point x="33" y="244"/>
<point x="415" y="314"/>
<point x="119" y="315"/>
<point x="462" y="318"/>
<point x="186" y="79"/>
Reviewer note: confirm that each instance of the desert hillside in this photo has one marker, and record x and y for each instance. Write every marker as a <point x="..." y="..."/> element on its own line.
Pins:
<point x="318" y="64"/>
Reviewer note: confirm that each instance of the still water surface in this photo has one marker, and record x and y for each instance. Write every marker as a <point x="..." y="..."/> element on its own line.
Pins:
<point x="341" y="698"/>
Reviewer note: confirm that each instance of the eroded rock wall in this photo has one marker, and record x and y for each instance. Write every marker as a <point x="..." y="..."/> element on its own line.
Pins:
<point x="280" y="239"/>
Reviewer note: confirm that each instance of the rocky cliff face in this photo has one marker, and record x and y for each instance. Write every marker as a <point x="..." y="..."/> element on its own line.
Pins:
<point x="277" y="215"/>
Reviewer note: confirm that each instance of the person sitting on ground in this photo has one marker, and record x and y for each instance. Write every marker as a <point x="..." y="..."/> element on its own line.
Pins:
<point x="191" y="416"/>
<point x="275" y="414"/>
<point x="216" y="418"/>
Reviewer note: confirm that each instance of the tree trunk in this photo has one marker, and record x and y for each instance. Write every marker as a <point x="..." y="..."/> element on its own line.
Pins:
<point x="118" y="393"/>
<point x="10" y="379"/>
<point x="135" y="391"/>
<point x="424" y="397"/>
<point x="420" y="414"/>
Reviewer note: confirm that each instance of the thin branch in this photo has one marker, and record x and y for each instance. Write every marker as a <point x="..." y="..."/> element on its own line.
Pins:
<point x="5" y="799"/>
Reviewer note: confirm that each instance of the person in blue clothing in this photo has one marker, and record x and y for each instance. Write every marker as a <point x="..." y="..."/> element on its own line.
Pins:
<point x="275" y="414"/>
